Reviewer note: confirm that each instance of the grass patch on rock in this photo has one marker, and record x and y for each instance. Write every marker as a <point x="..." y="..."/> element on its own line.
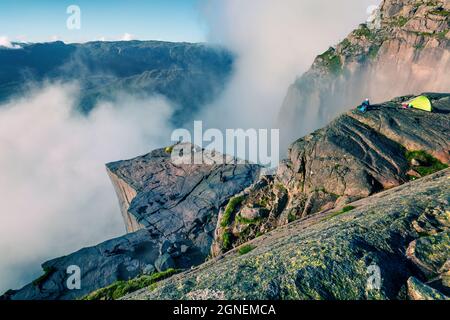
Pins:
<point x="121" y="288"/>
<point x="231" y="206"/>
<point x="427" y="163"/>
<point x="242" y="220"/>
<point x="338" y="213"/>
<point x="226" y="240"/>
<point x="245" y="249"/>
<point x="440" y="12"/>
<point x="400" y="21"/>
<point x="331" y="61"/>
<point x="291" y="217"/>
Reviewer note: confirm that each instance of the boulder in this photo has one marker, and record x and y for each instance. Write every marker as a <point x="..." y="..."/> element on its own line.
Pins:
<point x="164" y="262"/>
<point x="122" y="258"/>
<point x="418" y="290"/>
<point x="149" y="269"/>
<point x="253" y="213"/>
<point x="431" y="253"/>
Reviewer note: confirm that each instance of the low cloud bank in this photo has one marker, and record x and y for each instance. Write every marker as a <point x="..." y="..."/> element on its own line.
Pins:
<point x="55" y="193"/>
<point x="275" y="41"/>
<point x="6" y="43"/>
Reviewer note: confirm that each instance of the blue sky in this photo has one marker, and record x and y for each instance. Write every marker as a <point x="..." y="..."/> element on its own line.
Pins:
<point x="44" y="20"/>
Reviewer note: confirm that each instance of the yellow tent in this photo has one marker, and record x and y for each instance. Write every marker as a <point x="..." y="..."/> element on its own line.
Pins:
<point x="422" y="103"/>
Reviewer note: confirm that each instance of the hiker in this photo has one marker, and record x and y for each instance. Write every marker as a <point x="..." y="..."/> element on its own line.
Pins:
<point x="364" y="106"/>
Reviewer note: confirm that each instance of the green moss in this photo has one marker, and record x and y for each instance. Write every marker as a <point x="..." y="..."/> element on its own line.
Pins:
<point x="231" y="206"/>
<point x="373" y="52"/>
<point x="246" y="249"/>
<point x="433" y="251"/>
<point x="121" y="288"/>
<point x="440" y="12"/>
<point x="428" y="163"/>
<point x="243" y="220"/>
<point x="244" y="235"/>
<point x="425" y="291"/>
<point x="331" y="61"/>
<point x="441" y="35"/>
<point x="280" y="187"/>
<point x="153" y="287"/>
<point x="427" y="3"/>
<point x="345" y="43"/>
<point x="338" y="213"/>
<point x="48" y="271"/>
<point x="226" y="240"/>
<point x="292" y="217"/>
<point x="400" y="21"/>
<point x="364" y="32"/>
<point x="262" y="203"/>
<point x="347" y="209"/>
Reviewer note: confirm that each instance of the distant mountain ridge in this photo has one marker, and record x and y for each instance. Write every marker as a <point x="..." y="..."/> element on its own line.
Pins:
<point x="188" y="74"/>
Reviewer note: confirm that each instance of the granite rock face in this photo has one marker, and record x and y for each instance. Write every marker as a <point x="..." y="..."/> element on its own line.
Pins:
<point x="117" y="259"/>
<point x="170" y="211"/>
<point x="353" y="157"/>
<point x="358" y="254"/>
<point x="172" y="198"/>
<point x="359" y="154"/>
<point x="404" y="50"/>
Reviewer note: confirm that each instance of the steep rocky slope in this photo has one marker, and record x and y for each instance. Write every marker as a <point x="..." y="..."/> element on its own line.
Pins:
<point x="356" y="155"/>
<point x="393" y="245"/>
<point x="404" y="50"/>
<point x="170" y="211"/>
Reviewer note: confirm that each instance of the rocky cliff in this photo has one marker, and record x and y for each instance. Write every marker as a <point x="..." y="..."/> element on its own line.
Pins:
<point x="353" y="157"/>
<point x="347" y="193"/>
<point x="403" y="50"/>
<point x="170" y="211"/>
